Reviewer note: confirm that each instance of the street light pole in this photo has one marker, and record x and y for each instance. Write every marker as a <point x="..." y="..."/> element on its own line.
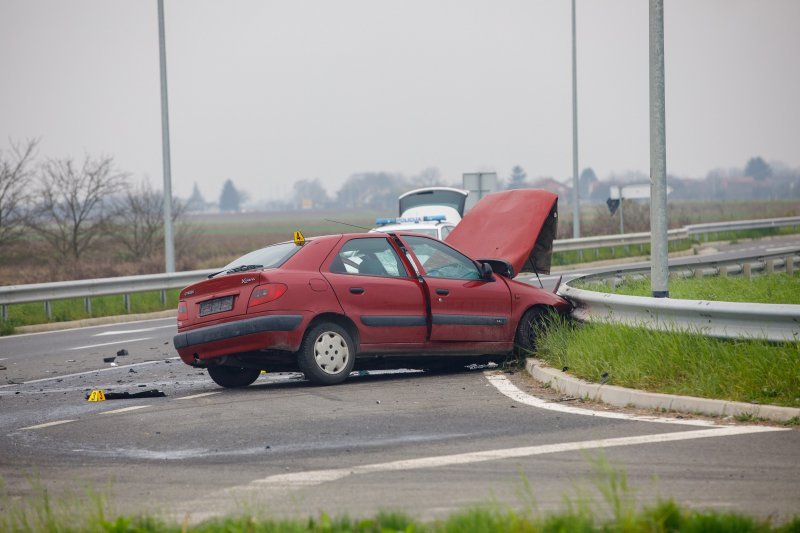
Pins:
<point x="659" y="269"/>
<point x="576" y="208"/>
<point x="169" y="246"/>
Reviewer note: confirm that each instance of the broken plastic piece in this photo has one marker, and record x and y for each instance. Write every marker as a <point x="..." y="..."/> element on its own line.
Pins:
<point x="152" y="393"/>
<point x="122" y="352"/>
<point x="109" y="359"/>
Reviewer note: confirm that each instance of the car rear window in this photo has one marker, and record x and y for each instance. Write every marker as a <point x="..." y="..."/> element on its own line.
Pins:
<point x="270" y="257"/>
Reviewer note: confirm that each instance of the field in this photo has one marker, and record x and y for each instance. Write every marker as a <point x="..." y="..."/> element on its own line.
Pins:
<point x="212" y="240"/>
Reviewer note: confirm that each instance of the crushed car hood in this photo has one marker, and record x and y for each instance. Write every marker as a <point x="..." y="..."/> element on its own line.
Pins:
<point x="517" y="226"/>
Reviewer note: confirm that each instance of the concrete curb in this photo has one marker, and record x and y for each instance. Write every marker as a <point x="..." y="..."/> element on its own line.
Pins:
<point x="99" y="321"/>
<point x="622" y="397"/>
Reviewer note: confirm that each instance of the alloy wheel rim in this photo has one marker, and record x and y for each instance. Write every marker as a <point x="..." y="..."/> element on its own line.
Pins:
<point x="331" y="352"/>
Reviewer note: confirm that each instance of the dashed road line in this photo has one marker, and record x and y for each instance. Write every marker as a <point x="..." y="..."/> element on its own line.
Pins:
<point x="127" y="331"/>
<point x="48" y="424"/>
<point x="782" y="249"/>
<point x="108" y="369"/>
<point x="109" y="343"/>
<point x="502" y="384"/>
<point x="193" y="396"/>
<point x="124" y="409"/>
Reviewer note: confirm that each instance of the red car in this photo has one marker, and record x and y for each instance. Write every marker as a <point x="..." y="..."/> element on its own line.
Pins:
<point x="372" y="300"/>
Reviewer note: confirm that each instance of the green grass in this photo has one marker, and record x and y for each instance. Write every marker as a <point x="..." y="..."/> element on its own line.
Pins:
<point x="73" y="309"/>
<point x="774" y="288"/>
<point x="609" y="506"/>
<point x="675" y="362"/>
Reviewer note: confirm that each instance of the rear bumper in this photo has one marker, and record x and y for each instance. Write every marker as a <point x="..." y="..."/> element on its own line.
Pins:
<point x="238" y="328"/>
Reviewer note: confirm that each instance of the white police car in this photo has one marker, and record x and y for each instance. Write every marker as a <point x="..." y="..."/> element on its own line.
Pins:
<point x="432" y="211"/>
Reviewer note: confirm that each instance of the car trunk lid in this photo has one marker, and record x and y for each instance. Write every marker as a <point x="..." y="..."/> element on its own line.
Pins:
<point x="219" y="297"/>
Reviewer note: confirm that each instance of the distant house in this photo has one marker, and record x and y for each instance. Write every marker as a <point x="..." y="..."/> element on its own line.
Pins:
<point x="549" y="184"/>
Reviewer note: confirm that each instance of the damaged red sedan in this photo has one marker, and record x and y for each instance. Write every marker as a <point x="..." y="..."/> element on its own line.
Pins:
<point x="338" y="303"/>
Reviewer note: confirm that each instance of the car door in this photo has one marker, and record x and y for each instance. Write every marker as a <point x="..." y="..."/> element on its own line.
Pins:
<point x="464" y="307"/>
<point x="378" y="294"/>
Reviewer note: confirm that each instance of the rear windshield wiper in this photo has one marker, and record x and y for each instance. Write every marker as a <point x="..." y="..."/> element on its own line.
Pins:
<point x="240" y="268"/>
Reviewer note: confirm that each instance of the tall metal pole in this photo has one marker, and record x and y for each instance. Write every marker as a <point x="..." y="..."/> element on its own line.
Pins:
<point x="659" y="269"/>
<point x="576" y="208"/>
<point x="169" y="247"/>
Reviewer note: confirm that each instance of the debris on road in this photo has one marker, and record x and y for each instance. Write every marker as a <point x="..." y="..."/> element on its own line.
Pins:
<point x="152" y="393"/>
<point x="122" y="352"/>
<point x="109" y="359"/>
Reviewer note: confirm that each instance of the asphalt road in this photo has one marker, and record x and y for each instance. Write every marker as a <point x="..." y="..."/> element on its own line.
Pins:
<point x="427" y="444"/>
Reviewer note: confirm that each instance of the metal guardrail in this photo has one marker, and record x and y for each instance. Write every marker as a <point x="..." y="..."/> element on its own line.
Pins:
<point x="773" y="322"/>
<point x="86" y="289"/>
<point x="603" y="241"/>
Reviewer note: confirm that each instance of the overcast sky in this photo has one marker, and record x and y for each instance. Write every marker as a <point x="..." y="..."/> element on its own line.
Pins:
<point x="267" y="93"/>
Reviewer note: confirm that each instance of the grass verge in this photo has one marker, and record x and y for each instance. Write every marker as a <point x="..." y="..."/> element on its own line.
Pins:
<point x="675" y="362"/>
<point x="609" y="505"/>
<point x="772" y="288"/>
<point x="74" y="309"/>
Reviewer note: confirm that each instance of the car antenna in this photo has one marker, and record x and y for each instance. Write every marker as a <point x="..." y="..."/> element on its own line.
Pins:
<point x="346" y="224"/>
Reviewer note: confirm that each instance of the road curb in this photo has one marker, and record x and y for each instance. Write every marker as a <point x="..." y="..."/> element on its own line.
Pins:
<point x="99" y="321"/>
<point x="624" y="397"/>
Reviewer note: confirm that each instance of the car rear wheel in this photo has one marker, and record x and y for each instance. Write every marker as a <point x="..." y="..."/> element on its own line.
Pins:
<point x="527" y="331"/>
<point x="233" y="376"/>
<point x="327" y="354"/>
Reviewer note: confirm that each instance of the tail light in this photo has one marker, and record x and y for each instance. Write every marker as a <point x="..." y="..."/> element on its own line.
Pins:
<point x="183" y="311"/>
<point x="266" y="293"/>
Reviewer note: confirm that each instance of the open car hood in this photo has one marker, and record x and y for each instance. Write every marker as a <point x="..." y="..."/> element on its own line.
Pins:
<point x="516" y="226"/>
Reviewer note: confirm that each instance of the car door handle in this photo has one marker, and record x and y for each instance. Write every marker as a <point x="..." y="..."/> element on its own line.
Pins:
<point x="356" y="290"/>
<point x="442" y="292"/>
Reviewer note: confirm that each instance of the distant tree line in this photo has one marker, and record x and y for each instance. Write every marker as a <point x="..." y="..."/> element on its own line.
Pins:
<point x="72" y="205"/>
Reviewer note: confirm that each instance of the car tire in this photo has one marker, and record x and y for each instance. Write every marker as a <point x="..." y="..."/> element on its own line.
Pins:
<point x="527" y="330"/>
<point x="327" y="354"/>
<point x="233" y="377"/>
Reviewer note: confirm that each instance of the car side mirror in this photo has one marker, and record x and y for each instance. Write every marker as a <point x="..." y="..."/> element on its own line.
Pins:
<point x="486" y="272"/>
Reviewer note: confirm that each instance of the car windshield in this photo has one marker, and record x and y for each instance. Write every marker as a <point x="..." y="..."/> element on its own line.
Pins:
<point x="269" y="257"/>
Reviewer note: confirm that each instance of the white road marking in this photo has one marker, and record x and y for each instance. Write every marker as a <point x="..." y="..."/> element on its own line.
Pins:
<point x="110" y="343"/>
<point x="502" y="384"/>
<point x="62" y="331"/>
<point x="280" y="483"/>
<point x="193" y="396"/>
<point x="124" y="409"/>
<point x="782" y="249"/>
<point x="48" y="424"/>
<point x="53" y="378"/>
<point x="126" y="331"/>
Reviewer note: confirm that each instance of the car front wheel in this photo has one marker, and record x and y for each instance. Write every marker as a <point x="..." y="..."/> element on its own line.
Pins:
<point x="327" y="354"/>
<point x="232" y="377"/>
<point x="527" y="331"/>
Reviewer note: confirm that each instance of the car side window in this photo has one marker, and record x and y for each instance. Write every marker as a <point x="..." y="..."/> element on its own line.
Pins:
<point x="368" y="257"/>
<point x="441" y="261"/>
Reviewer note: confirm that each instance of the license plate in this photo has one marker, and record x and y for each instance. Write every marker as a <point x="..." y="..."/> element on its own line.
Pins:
<point x="217" y="305"/>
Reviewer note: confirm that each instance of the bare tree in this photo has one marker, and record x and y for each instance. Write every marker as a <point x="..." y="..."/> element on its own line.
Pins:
<point x="139" y="219"/>
<point x="16" y="175"/>
<point x="73" y="203"/>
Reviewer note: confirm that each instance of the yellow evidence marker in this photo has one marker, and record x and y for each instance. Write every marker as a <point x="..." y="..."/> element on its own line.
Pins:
<point x="299" y="240"/>
<point x="97" y="396"/>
